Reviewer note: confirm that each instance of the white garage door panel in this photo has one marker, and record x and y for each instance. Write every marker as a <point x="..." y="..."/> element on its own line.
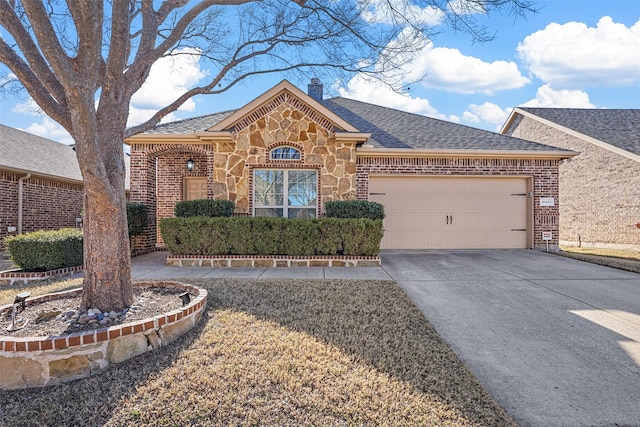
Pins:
<point x="452" y="212"/>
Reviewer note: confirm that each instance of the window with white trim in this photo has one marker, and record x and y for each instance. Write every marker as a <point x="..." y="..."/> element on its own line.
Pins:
<point x="285" y="153"/>
<point x="287" y="193"/>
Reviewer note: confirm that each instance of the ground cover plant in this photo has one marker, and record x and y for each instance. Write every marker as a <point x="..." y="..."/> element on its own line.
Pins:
<point x="279" y="352"/>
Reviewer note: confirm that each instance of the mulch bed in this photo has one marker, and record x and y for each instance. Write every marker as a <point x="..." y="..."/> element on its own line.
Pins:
<point x="148" y="302"/>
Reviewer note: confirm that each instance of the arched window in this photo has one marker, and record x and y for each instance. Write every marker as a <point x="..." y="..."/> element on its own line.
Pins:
<point x="284" y="153"/>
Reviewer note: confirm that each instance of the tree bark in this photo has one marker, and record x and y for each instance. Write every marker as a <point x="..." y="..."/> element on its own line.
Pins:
<point x="107" y="260"/>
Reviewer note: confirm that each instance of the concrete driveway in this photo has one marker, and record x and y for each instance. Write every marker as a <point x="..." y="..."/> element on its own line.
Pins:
<point x="556" y="341"/>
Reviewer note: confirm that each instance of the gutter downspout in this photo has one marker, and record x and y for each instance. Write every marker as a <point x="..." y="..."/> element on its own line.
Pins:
<point x="20" y="191"/>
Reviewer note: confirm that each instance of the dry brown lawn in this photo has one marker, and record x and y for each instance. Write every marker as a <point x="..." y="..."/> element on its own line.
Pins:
<point x="614" y="253"/>
<point x="279" y="353"/>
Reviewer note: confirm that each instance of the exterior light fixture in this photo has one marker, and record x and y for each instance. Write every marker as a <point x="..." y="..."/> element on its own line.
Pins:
<point x="190" y="164"/>
<point x="186" y="299"/>
<point x="21" y="299"/>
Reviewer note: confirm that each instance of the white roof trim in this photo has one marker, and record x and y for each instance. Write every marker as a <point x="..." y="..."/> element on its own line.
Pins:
<point x="409" y="152"/>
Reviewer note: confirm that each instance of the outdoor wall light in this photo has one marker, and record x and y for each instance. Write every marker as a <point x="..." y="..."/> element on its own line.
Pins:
<point x="190" y="164"/>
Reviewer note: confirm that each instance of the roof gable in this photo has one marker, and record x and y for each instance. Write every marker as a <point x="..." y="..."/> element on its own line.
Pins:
<point x="283" y="92"/>
<point x="615" y="129"/>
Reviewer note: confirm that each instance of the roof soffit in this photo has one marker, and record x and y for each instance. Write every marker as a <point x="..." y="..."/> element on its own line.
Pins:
<point x="281" y="93"/>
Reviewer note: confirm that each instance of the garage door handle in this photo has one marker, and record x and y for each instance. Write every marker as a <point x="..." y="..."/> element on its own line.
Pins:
<point x="377" y="194"/>
<point x="449" y="219"/>
<point x="518" y="229"/>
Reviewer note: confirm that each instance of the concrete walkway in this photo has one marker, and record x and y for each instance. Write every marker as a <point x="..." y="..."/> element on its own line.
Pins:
<point x="152" y="266"/>
<point x="556" y="341"/>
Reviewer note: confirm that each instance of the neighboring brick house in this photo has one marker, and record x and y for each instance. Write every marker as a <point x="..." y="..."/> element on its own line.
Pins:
<point x="286" y="153"/>
<point x="599" y="188"/>
<point x="40" y="184"/>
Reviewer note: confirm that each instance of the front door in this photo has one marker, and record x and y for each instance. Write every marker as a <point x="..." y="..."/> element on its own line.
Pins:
<point x="195" y="188"/>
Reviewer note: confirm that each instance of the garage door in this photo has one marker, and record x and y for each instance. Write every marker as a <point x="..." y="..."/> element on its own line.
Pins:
<point x="452" y="212"/>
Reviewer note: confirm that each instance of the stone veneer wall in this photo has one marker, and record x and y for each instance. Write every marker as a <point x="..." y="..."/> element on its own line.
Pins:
<point x="229" y="165"/>
<point x="543" y="172"/>
<point x="599" y="190"/>
<point x="283" y="124"/>
<point x="47" y="204"/>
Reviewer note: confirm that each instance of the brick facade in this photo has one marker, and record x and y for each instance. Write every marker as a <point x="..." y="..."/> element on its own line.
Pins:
<point x="544" y="174"/>
<point x="47" y="204"/>
<point x="599" y="189"/>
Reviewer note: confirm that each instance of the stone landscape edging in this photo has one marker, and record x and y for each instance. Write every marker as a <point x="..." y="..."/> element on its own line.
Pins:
<point x="270" y="261"/>
<point x="42" y="361"/>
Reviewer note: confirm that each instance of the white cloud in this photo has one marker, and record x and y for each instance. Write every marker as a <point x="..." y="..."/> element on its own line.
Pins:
<point x="169" y="78"/>
<point x="573" y="55"/>
<point x="373" y="91"/>
<point x="141" y="115"/>
<point x="449" y="69"/>
<point x="389" y="11"/>
<point x="28" y="107"/>
<point x="50" y="129"/>
<point x="565" y="98"/>
<point x="489" y="112"/>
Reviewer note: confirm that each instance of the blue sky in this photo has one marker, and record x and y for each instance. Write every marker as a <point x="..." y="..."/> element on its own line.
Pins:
<point x="579" y="54"/>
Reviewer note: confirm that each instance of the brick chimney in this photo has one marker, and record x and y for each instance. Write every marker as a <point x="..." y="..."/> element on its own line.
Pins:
<point x="315" y="89"/>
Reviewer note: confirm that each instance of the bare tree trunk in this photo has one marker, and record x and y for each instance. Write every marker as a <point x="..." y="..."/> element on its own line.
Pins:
<point x="107" y="259"/>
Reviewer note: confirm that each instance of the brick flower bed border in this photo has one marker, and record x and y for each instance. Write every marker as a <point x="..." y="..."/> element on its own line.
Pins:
<point x="271" y="261"/>
<point x="10" y="277"/>
<point x="41" y="361"/>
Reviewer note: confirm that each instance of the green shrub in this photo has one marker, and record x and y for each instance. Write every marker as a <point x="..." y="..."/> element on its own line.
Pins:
<point x="204" y="207"/>
<point x="354" y="209"/>
<point x="46" y="250"/>
<point x="136" y="218"/>
<point x="271" y="236"/>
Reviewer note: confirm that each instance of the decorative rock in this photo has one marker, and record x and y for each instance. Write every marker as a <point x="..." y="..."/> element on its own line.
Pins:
<point x="91" y="316"/>
<point x="103" y="322"/>
<point x="92" y="321"/>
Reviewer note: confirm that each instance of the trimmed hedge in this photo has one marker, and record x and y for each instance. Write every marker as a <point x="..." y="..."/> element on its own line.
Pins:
<point x="204" y="207"/>
<point x="271" y="236"/>
<point x="136" y="218"/>
<point x="354" y="209"/>
<point x="46" y="250"/>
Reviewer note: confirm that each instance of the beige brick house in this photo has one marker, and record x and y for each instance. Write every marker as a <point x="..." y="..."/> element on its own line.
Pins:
<point x="287" y="152"/>
<point x="599" y="188"/>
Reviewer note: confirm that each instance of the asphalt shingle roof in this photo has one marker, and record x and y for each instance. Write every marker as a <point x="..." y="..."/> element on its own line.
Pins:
<point x="617" y="127"/>
<point x="391" y="128"/>
<point x="24" y="151"/>
<point x="194" y="124"/>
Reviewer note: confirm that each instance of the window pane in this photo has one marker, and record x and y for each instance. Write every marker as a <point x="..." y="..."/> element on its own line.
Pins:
<point x="302" y="213"/>
<point x="285" y="153"/>
<point x="273" y="212"/>
<point x="268" y="187"/>
<point x="302" y="188"/>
